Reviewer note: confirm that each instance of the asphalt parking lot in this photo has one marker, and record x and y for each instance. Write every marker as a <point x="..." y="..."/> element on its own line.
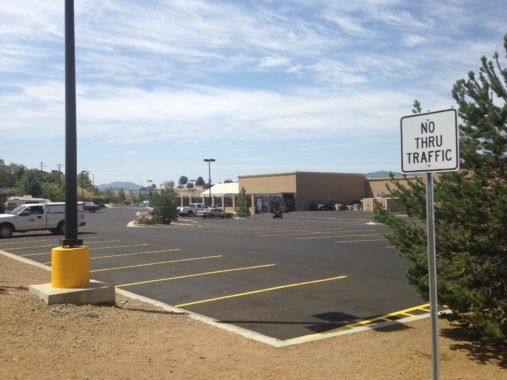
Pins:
<point x="308" y="274"/>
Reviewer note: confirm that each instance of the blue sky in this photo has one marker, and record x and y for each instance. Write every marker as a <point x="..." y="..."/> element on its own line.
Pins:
<point x="261" y="86"/>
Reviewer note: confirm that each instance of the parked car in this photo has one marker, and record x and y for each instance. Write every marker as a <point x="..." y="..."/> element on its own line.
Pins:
<point x="192" y="209"/>
<point x="91" y="207"/>
<point x="214" y="212"/>
<point x="323" y="206"/>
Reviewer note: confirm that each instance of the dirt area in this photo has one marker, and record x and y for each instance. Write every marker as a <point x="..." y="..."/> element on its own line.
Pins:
<point x="133" y="340"/>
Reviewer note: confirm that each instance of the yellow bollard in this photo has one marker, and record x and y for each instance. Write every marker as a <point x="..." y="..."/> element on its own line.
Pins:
<point x="70" y="267"/>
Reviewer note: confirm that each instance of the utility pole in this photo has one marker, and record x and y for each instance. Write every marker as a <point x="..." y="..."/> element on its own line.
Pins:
<point x="59" y="175"/>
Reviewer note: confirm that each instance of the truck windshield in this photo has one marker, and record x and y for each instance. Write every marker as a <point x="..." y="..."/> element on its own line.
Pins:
<point x="17" y="210"/>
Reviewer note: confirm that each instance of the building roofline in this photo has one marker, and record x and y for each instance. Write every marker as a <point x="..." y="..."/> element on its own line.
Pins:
<point x="296" y="173"/>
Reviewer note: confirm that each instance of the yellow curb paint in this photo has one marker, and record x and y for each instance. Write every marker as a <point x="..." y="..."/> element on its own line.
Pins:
<point x="262" y="291"/>
<point x="70" y="267"/>
<point x="385" y="317"/>
<point x="157" y="263"/>
<point x="195" y="275"/>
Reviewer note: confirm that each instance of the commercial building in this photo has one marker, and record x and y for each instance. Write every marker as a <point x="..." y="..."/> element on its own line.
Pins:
<point x="295" y="191"/>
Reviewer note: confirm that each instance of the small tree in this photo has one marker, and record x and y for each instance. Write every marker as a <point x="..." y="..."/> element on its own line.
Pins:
<point x="199" y="181"/>
<point x="242" y="204"/>
<point x="29" y="184"/>
<point x="53" y="192"/>
<point x="122" y="198"/>
<point x="470" y="212"/>
<point x="228" y="180"/>
<point x="164" y="206"/>
<point x="183" y="180"/>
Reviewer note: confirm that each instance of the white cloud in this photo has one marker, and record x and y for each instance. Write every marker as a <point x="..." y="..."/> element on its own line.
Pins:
<point x="413" y="40"/>
<point x="270" y="62"/>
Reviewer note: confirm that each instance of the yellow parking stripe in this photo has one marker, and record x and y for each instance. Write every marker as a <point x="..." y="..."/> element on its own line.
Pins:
<point x="261" y="291"/>
<point x="56" y="244"/>
<point x="121" y="246"/>
<point x="195" y="275"/>
<point x="94" y="248"/>
<point x="135" y="253"/>
<point x="23" y="241"/>
<point x="356" y="241"/>
<point x="156" y="263"/>
<point x="338" y="236"/>
<point x="128" y="254"/>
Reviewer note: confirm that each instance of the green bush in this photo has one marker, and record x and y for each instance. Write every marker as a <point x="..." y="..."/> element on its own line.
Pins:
<point x="164" y="206"/>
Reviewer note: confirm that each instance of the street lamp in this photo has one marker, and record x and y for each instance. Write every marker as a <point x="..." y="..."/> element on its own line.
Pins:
<point x="209" y="161"/>
<point x="192" y="181"/>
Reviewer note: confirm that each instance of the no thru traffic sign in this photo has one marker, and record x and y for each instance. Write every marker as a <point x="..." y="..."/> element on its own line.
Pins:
<point x="429" y="142"/>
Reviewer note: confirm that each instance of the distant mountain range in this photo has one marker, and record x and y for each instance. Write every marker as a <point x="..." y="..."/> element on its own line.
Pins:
<point x="382" y="174"/>
<point x="119" y="185"/>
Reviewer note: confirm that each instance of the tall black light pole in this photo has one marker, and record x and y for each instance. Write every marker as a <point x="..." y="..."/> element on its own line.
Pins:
<point x="209" y="161"/>
<point x="71" y="239"/>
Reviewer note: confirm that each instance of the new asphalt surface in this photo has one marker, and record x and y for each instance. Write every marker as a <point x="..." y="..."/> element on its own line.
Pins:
<point x="308" y="273"/>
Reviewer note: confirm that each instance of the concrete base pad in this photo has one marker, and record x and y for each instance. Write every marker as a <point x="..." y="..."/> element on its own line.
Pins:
<point x="95" y="293"/>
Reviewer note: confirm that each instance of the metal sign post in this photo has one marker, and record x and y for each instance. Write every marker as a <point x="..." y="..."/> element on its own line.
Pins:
<point x="430" y="143"/>
<point x="432" y="268"/>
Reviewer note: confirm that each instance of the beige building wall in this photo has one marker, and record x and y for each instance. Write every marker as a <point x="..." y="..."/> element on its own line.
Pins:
<point x="336" y="187"/>
<point x="307" y="187"/>
<point x="268" y="183"/>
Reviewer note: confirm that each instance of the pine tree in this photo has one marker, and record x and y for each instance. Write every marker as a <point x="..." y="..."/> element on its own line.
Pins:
<point x="242" y="204"/>
<point x="470" y="212"/>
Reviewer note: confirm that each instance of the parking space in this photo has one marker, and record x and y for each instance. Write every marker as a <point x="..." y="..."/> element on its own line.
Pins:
<point x="308" y="273"/>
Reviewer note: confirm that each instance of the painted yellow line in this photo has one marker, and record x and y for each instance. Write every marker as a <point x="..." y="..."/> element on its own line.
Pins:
<point x="157" y="263"/>
<point x="338" y="236"/>
<point x="356" y="241"/>
<point x="35" y="246"/>
<point x="121" y="246"/>
<point x="129" y="254"/>
<point x="304" y="232"/>
<point x="195" y="275"/>
<point x="22" y="241"/>
<point x="135" y="253"/>
<point x="261" y="291"/>
<point x="9" y="243"/>
<point x="56" y="244"/>
<point x="94" y="248"/>
<point x="385" y="317"/>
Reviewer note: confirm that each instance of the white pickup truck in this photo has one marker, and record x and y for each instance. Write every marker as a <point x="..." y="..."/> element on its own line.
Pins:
<point x="191" y="209"/>
<point x="37" y="216"/>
